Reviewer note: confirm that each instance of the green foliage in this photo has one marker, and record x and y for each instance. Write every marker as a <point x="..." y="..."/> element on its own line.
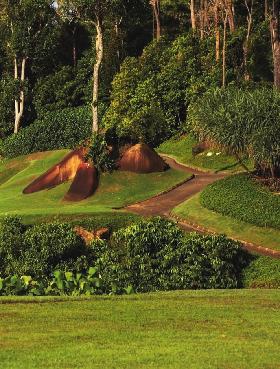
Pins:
<point x="11" y="244"/>
<point x="39" y="249"/>
<point x="62" y="284"/>
<point x="242" y="198"/>
<point x="150" y="94"/>
<point x="47" y="98"/>
<point x="157" y="255"/>
<point x="244" y="122"/>
<point x="263" y="272"/>
<point x="59" y="129"/>
<point x="99" y="154"/>
<point x="7" y="94"/>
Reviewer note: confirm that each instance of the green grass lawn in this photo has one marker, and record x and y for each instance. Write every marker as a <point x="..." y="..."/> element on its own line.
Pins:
<point x="237" y="329"/>
<point x="115" y="190"/>
<point x="181" y="150"/>
<point x="193" y="211"/>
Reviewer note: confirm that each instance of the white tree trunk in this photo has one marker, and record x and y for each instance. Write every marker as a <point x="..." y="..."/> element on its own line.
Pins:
<point x="19" y="103"/>
<point x="193" y="14"/>
<point x="96" y="73"/>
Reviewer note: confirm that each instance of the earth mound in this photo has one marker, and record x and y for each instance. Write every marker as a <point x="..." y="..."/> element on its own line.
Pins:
<point x="142" y="159"/>
<point x="59" y="173"/>
<point x="84" y="183"/>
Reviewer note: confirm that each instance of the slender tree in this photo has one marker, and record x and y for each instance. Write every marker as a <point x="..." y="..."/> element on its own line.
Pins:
<point x="156" y="13"/>
<point x="27" y="22"/>
<point x="275" y="41"/>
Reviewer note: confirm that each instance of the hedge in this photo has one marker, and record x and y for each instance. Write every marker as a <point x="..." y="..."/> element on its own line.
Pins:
<point x="57" y="130"/>
<point x="242" y="198"/>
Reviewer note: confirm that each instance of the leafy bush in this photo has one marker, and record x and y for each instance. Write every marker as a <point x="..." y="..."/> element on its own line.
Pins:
<point x="243" y="122"/>
<point x="157" y="255"/>
<point x="47" y="98"/>
<point x="57" y="130"/>
<point x="11" y="244"/>
<point x="38" y="250"/>
<point x="242" y="198"/>
<point x="263" y="272"/>
<point x="99" y="153"/>
<point x="150" y="94"/>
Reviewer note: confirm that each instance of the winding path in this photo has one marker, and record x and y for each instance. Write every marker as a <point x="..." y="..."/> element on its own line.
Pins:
<point x="163" y="204"/>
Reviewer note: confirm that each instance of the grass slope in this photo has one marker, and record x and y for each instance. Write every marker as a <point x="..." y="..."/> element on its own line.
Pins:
<point x="191" y="329"/>
<point x="181" y="150"/>
<point x="194" y="212"/>
<point x="115" y="190"/>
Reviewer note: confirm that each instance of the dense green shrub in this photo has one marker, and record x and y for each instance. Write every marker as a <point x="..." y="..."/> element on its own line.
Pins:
<point x="242" y="198"/>
<point x="263" y="272"/>
<point x="157" y="255"/>
<point x="244" y="122"/>
<point x="56" y="91"/>
<point x="99" y="154"/>
<point x="59" y="129"/>
<point x="38" y="250"/>
<point x="150" y="94"/>
<point x="11" y="244"/>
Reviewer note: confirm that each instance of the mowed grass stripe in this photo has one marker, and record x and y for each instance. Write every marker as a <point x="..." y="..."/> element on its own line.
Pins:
<point x="184" y="329"/>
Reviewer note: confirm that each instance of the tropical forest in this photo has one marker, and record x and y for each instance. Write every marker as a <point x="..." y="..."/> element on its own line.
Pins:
<point x="139" y="184"/>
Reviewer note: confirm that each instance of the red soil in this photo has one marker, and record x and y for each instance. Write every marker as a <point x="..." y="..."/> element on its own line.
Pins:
<point x="141" y="159"/>
<point x="59" y="173"/>
<point x="84" y="183"/>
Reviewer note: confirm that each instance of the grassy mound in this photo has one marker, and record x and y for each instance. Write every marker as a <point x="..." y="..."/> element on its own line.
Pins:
<point x="242" y="198"/>
<point x="194" y="329"/>
<point x="115" y="190"/>
<point x="213" y="160"/>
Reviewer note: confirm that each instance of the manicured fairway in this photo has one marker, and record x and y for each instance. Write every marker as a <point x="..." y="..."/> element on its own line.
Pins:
<point x="194" y="212"/>
<point x="115" y="190"/>
<point x="191" y="329"/>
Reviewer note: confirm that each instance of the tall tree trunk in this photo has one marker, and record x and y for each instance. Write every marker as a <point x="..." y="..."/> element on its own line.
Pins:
<point x="201" y="19"/>
<point x="19" y="103"/>
<point x="156" y="12"/>
<point x="230" y="11"/>
<point x="96" y="74"/>
<point x="217" y="29"/>
<point x="275" y="42"/>
<point x="74" y="47"/>
<point x="265" y="9"/>
<point x="224" y="50"/>
<point x="193" y="14"/>
<point x="246" y="43"/>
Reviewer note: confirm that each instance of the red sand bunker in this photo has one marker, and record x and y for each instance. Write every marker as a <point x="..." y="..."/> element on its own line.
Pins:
<point x="141" y="159"/>
<point x="84" y="183"/>
<point x="59" y="173"/>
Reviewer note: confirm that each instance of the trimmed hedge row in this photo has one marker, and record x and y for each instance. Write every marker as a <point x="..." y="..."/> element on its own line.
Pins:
<point x="57" y="130"/>
<point x="241" y="198"/>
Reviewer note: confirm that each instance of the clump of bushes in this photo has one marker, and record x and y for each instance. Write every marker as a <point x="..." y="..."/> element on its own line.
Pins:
<point x="148" y="256"/>
<point x="243" y="122"/>
<point x="38" y="250"/>
<point x="242" y="198"/>
<point x="99" y="153"/>
<point x="56" y="130"/>
<point x="156" y="255"/>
